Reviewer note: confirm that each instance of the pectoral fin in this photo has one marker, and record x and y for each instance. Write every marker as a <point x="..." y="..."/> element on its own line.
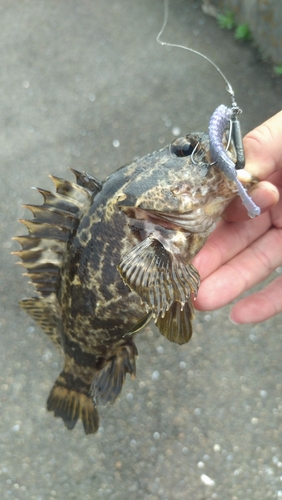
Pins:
<point x="159" y="277"/>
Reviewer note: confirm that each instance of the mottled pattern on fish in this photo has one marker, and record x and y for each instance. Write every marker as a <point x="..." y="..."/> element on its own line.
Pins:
<point x="107" y="257"/>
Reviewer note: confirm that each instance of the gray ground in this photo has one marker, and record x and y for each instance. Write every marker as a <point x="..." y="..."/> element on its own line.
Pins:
<point x="201" y="421"/>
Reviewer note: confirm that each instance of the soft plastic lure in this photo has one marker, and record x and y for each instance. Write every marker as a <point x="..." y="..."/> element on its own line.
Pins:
<point x="218" y="124"/>
<point x="222" y="119"/>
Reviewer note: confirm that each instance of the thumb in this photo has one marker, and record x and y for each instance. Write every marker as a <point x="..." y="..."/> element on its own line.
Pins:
<point x="263" y="148"/>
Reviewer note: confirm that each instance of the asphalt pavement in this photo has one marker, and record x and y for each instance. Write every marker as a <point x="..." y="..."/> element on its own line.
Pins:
<point x="85" y="85"/>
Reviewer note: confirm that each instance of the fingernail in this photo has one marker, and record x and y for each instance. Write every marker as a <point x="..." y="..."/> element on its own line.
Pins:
<point x="253" y="169"/>
<point x="232" y="320"/>
<point x="244" y="176"/>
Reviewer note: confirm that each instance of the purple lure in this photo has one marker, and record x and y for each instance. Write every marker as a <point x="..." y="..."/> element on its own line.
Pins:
<point x="218" y="124"/>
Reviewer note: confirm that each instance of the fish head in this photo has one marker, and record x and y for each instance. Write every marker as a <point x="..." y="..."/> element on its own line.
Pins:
<point x="179" y="186"/>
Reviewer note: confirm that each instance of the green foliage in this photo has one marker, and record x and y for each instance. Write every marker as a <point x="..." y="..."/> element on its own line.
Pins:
<point x="226" y="21"/>
<point x="242" y="32"/>
<point x="278" y="69"/>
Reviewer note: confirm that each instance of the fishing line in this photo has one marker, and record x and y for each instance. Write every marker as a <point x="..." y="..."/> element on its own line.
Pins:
<point x="168" y="44"/>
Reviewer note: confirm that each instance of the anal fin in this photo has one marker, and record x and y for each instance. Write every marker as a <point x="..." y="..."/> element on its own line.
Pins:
<point x="108" y="383"/>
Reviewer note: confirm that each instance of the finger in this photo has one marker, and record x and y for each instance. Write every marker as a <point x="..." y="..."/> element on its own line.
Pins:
<point x="242" y="272"/>
<point x="264" y="194"/>
<point x="263" y="148"/>
<point x="228" y="240"/>
<point x="260" y="306"/>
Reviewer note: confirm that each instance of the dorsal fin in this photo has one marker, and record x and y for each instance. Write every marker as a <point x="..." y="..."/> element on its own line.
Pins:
<point x="87" y="181"/>
<point x="46" y="312"/>
<point x="51" y="227"/>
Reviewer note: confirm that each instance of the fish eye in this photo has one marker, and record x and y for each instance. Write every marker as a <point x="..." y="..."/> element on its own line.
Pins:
<point x="182" y="147"/>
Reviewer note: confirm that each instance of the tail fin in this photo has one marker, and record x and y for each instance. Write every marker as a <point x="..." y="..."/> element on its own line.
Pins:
<point x="108" y="382"/>
<point x="71" y="404"/>
<point x="72" y="393"/>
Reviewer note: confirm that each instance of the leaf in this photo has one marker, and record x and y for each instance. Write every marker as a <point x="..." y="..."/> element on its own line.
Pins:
<point x="243" y="32"/>
<point x="226" y="21"/>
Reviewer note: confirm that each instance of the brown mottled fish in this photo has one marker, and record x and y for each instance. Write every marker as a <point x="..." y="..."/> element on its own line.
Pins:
<point x="106" y="257"/>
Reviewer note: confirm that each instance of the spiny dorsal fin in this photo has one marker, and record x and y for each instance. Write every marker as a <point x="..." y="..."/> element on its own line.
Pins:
<point x="53" y="223"/>
<point x="87" y="181"/>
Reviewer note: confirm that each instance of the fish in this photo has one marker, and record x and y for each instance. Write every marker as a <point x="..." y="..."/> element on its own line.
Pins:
<point x="106" y="257"/>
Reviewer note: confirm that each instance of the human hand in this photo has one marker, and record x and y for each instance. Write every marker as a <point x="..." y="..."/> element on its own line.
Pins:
<point x="242" y="252"/>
